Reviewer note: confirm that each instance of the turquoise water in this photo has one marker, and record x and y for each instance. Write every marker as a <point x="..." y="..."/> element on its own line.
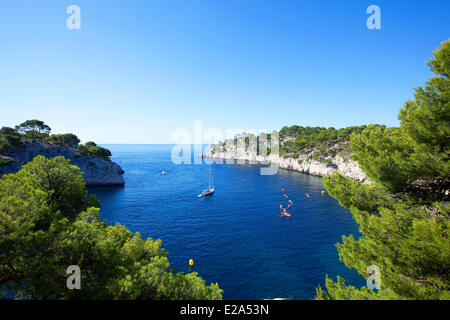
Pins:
<point x="235" y="237"/>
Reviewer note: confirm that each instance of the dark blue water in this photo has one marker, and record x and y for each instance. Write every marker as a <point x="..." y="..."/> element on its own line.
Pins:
<point x="236" y="236"/>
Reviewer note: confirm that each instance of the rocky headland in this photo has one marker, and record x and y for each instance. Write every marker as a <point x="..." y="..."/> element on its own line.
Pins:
<point x="96" y="171"/>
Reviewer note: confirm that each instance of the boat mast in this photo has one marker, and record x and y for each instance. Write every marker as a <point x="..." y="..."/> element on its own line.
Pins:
<point x="212" y="178"/>
<point x="209" y="176"/>
<point x="211" y="183"/>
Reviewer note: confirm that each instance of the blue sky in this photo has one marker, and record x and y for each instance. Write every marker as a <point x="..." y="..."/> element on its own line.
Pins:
<point x="138" y="70"/>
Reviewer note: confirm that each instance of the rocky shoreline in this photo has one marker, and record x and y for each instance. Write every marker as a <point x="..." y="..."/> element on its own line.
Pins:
<point x="303" y="163"/>
<point x="96" y="171"/>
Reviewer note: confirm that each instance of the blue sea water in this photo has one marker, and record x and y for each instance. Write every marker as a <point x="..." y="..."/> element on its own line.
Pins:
<point x="235" y="237"/>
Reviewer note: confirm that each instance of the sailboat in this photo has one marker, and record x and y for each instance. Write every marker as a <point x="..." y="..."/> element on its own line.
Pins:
<point x="210" y="189"/>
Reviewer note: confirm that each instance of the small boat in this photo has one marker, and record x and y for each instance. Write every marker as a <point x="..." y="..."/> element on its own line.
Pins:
<point x="206" y="193"/>
<point x="210" y="190"/>
<point x="164" y="172"/>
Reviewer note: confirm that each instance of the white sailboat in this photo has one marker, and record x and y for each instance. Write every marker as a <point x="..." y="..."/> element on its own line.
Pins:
<point x="210" y="189"/>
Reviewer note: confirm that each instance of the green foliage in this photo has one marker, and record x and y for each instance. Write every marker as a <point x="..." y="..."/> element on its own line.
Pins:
<point x="42" y="236"/>
<point x="384" y="155"/>
<point x="62" y="183"/>
<point x="10" y="135"/>
<point x="306" y="138"/>
<point x="99" y="152"/>
<point x="82" y="150"/>
<point x="350" y="193"/>
<point x="13" y="140"/>
<point x="90" y="144"/>
<point x="9" y="138"/>
<point x="406" y="236"/>
<point x="5" y="147"/>
<point x="33" y="129"/>
<point x="316" y="155"/>
<point x="408" y="243"/>
<point x="7" y="131"/>
<point x="426" y="119"/>
<point x="297" y="140"/>
<point x="419" y="150"/>
<point x="339" y="291"/>
<point x="67" y="140"/>
<point x="91" y="149"/>
<point x="321" y="294"/>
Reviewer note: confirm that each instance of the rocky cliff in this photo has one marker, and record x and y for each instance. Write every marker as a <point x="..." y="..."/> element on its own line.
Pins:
<point x="302" y="163"/>
<point x="96" y="171"/>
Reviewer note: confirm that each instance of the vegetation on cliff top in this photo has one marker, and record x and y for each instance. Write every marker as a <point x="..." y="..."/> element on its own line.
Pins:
<point x="315" y="142"/>
<point x="297" y="140"/>
<point x="48" y="222"/>
<point x="404" y="216"/>
<point x="37" y="130"/>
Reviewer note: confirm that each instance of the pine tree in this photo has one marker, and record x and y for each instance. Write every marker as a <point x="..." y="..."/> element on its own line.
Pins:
<point x="48" y="222"/>
<point x="404" y="232"/>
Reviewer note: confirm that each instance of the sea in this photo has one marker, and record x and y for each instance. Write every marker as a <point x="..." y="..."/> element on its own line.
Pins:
<point x="235" y="237"/>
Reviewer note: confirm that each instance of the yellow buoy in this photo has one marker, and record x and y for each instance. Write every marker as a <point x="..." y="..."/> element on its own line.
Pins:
<point x="191" y="263"/>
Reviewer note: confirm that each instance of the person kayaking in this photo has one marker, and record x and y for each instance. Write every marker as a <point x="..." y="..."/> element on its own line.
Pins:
<point x="284" y="211"/>
<point x="286" y="214"/>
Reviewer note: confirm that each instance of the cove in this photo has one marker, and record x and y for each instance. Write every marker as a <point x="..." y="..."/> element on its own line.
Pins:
<point x="236" y="237"/>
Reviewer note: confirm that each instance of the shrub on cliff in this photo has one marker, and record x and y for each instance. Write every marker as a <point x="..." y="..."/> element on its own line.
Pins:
<point x="67" y="140"/>
<point x="299" y="139"/>
<point x="90" y="148"/>
<point x="90" y="144"/>
<point x="99" y="152"/>
<point x="9" y="138"/>
<point x="48" y="222"/>
<point x="10" y="135"/>
<point x="404" y="233"/>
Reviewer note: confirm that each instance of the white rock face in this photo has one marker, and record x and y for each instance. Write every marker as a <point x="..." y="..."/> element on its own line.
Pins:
<point x="98" y="172"/>
<point x="346" y="167"/>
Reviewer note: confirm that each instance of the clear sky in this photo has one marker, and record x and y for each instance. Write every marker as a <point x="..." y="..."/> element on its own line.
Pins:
<point x="138" y="70"/>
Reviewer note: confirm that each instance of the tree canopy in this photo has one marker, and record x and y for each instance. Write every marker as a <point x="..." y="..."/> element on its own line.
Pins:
<point x="404" y="232"/>
<point x="298" y="139"/>
<point x="49" y="222"/>
<point x="9" y="138"/>
<point x="92" y="149"/>
<point x="34" y="129"/>
<point x="37" y="130"/>
<point x="67" y="140"/>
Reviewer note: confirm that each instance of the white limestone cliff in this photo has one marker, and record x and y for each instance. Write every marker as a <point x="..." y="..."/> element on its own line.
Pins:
<point x="345" y="166"/>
